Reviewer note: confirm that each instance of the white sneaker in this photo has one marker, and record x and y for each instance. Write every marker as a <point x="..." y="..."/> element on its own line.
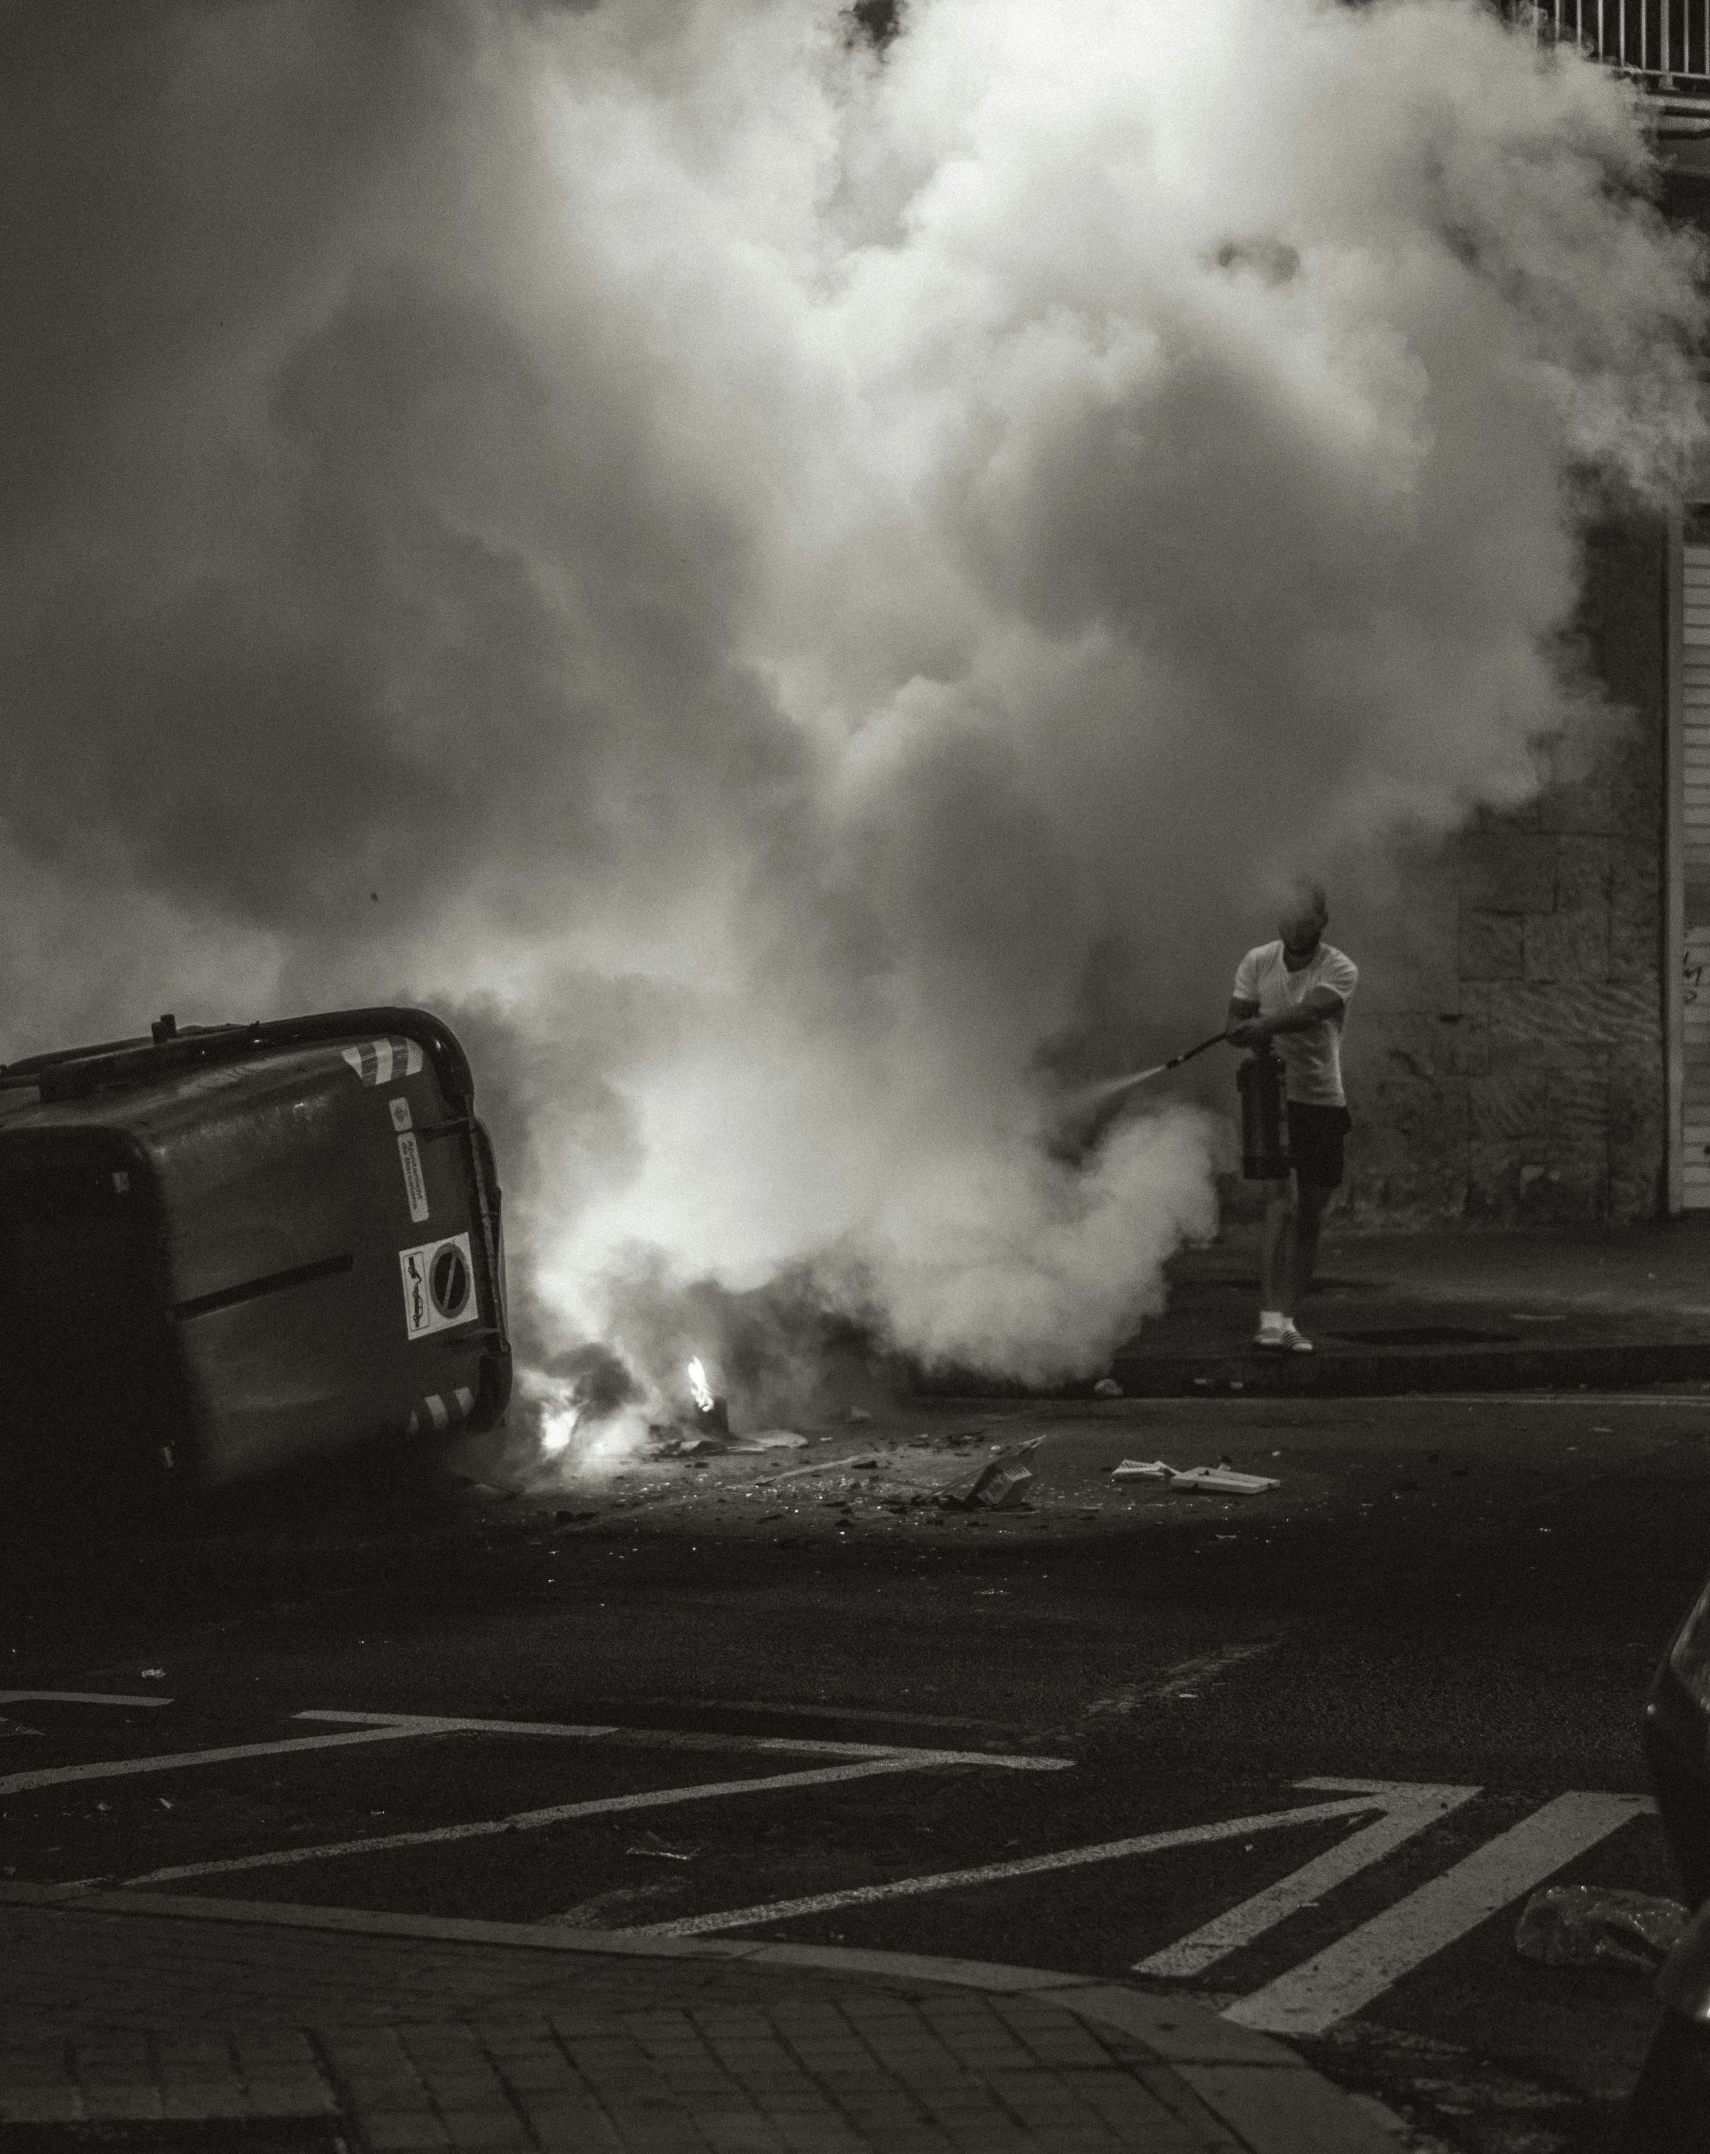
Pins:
<point x="1283" y="1338"/>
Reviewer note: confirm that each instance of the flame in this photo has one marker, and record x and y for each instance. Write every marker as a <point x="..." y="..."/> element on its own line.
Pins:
<point x="700" y="1387"/>
<point x="579" y="1439"/>
<point x="557" y="1429"/>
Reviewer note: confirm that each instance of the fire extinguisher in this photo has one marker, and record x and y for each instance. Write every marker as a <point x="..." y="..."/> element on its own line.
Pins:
<point x="1264" y="1141"/>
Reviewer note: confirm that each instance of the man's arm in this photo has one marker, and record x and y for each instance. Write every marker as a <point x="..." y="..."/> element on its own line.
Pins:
<point x="1248" y="1029"/>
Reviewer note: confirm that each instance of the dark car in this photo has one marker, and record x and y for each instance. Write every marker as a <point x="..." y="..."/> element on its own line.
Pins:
<point x="227" y="1249"/>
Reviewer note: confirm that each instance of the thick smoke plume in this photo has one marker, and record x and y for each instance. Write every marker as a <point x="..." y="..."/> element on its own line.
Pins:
<point x="790" y="589"/>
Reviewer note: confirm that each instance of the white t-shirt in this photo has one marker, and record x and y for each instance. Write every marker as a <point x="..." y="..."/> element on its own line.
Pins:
<point x="1312" y="1060"/>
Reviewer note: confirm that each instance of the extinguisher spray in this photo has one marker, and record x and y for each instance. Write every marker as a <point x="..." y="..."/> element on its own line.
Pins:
<point x="1264" y="1140"/>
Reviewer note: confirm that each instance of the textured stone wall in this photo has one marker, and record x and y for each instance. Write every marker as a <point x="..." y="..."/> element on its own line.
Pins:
<point x="1505" y="1055"/>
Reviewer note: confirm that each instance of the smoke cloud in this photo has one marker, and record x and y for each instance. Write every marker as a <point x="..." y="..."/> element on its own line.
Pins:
<point x="791" y="590"/>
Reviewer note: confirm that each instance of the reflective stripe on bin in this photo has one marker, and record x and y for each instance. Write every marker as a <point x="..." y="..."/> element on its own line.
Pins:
<point x="440" y="1409"/>
<point x="379" y="1061"/>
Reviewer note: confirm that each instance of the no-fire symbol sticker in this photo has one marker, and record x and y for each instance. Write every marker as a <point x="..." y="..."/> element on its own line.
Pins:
<point x="439" y="1286"/>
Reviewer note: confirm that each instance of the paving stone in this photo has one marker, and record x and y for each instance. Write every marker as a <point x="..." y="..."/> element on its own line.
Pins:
<point x="501" y="2048"/>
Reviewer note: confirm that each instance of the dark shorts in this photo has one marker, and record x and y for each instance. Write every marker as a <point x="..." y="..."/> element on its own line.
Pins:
<point x="1315" y="1140"/>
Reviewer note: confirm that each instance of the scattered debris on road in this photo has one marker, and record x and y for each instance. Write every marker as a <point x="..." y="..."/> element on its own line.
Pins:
<point x="658" y="1850"/>
<point x="1599" y="1926"/>
<point x="668" y="1439"/>
<point x="954" y="1478"/>
<point x="823" y="1465"/>
<point x="999" y="1485"/>
<point x="1219" y="1480"/>
<point x="1225" y="1481"/>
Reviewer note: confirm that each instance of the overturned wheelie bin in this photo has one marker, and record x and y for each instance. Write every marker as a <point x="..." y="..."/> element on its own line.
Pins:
<point x="228" y="1249"/>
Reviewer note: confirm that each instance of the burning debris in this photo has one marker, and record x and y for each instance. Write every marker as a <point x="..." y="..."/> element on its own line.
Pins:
<point x="909" y="1481"/>
<point x="712" y="1416"/>
<point x="580" y="1407"/>
<point x="590" y="1420"/>
<point x="708" y="1429"/>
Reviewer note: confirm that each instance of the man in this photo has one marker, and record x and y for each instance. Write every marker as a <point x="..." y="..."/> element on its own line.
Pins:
<point x="1295" y="991"/>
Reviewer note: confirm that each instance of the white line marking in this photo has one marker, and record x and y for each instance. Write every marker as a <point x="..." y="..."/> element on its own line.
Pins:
<point x="837" y="1712"/>
<point x="1187" y="1674"/>
<point x="455" y="1724"/>
<point x="1411" y="1809"/>
<point x="694" y="1739"/>
<point x="1071" y="1858"/>
<point x="180" y="1760"/>
<point x="1596" y="1400"/>
<point x="1347" y="1975"/>
<point x="532" y="1820"/>
<point x="76" y="1697"/>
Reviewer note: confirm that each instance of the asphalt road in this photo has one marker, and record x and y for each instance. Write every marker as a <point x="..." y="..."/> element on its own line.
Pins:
<point x="826" y="1690"/>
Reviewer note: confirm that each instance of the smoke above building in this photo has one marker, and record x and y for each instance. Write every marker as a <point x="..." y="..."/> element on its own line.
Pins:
<point x="789" y="589"/>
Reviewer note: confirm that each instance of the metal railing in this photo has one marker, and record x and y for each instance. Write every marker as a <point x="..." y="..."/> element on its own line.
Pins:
<point x="1665" y="43"/>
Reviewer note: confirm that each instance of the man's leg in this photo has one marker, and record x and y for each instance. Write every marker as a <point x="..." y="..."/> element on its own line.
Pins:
<point x="1309" y="1217"/>
<point x="1277" y="1262"/>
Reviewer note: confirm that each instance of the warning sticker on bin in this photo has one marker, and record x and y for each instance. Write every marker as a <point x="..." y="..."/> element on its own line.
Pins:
<point x="415" y="1188"/>
<point x="439" y="1286"/>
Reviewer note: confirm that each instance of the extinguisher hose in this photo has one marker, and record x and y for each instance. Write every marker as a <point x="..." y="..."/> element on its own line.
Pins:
<point x="1111" y="1086"/>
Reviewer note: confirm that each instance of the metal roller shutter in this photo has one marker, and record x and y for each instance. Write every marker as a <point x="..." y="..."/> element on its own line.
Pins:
<point x="1695" y="735"/>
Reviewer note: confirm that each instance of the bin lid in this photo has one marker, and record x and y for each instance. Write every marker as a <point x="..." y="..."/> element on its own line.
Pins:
<point x="83" y="1073"/>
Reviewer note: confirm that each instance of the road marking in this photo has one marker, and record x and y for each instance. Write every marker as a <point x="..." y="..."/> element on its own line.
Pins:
<point x="1221" y="1405"/>
<point x="838" y="1712"/>
<point x="448" y="1724"/>
<point x="694" y="1739"/>
<point x="76" y="1697"/>
<point x="1410" y="1809"/>
<point x="533" y="1820"/>
<point x="1593" y="1401"/>
<point x="180" y="1760"/>
<point x="1187" y="1674"/>
<point x="985" y="1873"/>
<point x="1347" y="1975"/>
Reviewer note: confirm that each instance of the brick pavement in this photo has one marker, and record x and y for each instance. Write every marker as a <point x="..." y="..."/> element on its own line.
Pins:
<point x="388" y="2035"/>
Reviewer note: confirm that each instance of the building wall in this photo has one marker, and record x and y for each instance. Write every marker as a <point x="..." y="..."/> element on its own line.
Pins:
<point x="1505" y="1056"/>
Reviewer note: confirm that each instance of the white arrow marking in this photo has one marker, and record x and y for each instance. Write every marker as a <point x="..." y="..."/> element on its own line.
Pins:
<point x="1409" y="1808"/>
<point x="1337" y="1982"/>
<point x="1069" y="1858"/>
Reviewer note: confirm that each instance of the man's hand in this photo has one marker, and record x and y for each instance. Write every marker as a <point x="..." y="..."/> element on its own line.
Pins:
<point x="1246" y="1028"/>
